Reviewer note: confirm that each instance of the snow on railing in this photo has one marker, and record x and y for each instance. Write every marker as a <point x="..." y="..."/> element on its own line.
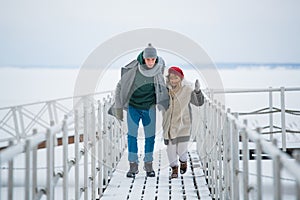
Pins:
<point x="97" y="137"/>
<point x="218" y="136"/>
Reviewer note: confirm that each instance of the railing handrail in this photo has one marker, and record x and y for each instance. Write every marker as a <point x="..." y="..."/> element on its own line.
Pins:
<point x="216" y="91"/>
<point x="58" y="99"/>
<point x="251" y="90"/>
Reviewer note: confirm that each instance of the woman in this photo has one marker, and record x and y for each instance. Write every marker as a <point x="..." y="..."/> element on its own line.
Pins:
<point x="177" y="118"/>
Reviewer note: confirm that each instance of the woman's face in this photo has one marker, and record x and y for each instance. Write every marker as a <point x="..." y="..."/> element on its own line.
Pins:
<point x="174" y="80"/>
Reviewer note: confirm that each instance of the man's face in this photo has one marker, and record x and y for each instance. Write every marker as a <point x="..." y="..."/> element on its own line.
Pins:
<point x="150" y="62"/>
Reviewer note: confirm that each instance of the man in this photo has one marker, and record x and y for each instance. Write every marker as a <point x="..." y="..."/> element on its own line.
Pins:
<point x="141" y="87"/>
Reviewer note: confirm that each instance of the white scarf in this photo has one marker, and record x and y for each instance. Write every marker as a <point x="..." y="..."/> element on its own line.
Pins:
<point x="150" y="72"/>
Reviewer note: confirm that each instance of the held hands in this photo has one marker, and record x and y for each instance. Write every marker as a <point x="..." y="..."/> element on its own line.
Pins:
<point x="197" y="86"/>
<point x="119" y="114"/>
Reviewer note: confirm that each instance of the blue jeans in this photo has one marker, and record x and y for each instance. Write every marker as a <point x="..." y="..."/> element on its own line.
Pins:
<point x="148" y="118"/>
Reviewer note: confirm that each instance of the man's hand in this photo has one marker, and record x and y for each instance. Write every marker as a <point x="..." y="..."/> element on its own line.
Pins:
<point x="119" y="114"/>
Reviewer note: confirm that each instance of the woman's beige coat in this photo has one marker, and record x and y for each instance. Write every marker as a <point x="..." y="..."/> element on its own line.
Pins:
<point x="177" y="118"/>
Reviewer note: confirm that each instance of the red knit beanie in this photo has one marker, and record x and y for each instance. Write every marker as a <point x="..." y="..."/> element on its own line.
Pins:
<point x="177" y="71"/>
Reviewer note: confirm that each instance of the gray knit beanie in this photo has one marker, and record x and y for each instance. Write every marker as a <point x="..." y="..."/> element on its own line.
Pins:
<point x="150" y="52"/>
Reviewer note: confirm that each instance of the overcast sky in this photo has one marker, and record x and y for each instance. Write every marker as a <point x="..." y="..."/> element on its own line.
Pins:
<point x="35" y="32"/>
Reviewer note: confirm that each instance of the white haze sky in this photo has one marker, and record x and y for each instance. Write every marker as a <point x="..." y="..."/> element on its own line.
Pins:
<point x="35" y="32"/>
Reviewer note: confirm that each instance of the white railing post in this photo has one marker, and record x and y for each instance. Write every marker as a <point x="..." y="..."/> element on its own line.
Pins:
<point x="27" y="170"/>
<point x="296" y="155"/>
<point x="225" y="157"/>
<point x="55" y="112"/>
<point x="276" y="174"/>
<point x="205" y="135"/>
<point x="51" y="118"/>
<point x="86" y="160"/>
<point x="258" y="153"/>
<point x="118" y="143"/>
<point x="235" y="160"/>
<point x="21" y="119"/>
<point x="219" y="152"/>
<point x="228" y="157"/>
<point x="209" y="141"/>
<point x="115" y="144"/>
<point x="77" y="155"/>
<point x="93" y="152"/>
<point x="214" y="151"/>
<point x="100" y="154"/>
<point x="65" y="158"/>
<point x="223" y="153"/>
<point x="105" y="145"/>
<point x="50" y="162"/>
<point x="245" y="162"/>
<point x="17" y="131"/>
<point x="271" y="114"/>
<point x="199" y="128"/>
<point x="10" y="175"/>
<point x="34" y="168"/>
<point x="298" y="190"/>
<point x="109" y="140"/>
<point x="122" y="142"/>
<point x="0" y="177"/>
<point x="283" y="125"/>
<point x="277" y="183"/>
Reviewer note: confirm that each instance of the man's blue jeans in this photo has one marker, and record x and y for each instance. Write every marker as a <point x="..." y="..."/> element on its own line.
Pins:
<point x="148" y="118"/>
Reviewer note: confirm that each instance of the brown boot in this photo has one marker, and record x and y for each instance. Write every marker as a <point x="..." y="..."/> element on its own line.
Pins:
<point x="174" y="172"/>
<point x="183" y="167"/>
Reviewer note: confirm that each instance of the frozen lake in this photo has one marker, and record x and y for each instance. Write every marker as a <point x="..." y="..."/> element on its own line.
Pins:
<point x="20" y="86"/>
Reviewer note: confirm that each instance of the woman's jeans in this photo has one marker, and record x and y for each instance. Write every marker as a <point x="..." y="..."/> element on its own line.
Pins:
<point x="148" y="117"/>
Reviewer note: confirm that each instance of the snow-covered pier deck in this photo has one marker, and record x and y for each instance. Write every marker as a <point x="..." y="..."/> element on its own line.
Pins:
<point x="191" y="185"/>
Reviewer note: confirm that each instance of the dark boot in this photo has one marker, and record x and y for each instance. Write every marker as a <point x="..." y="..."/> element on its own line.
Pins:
<point x="149" y="169"/>
<point x="174" y="172"/>
<point x="183" y="167"/>
<point x="134" y="169"/>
